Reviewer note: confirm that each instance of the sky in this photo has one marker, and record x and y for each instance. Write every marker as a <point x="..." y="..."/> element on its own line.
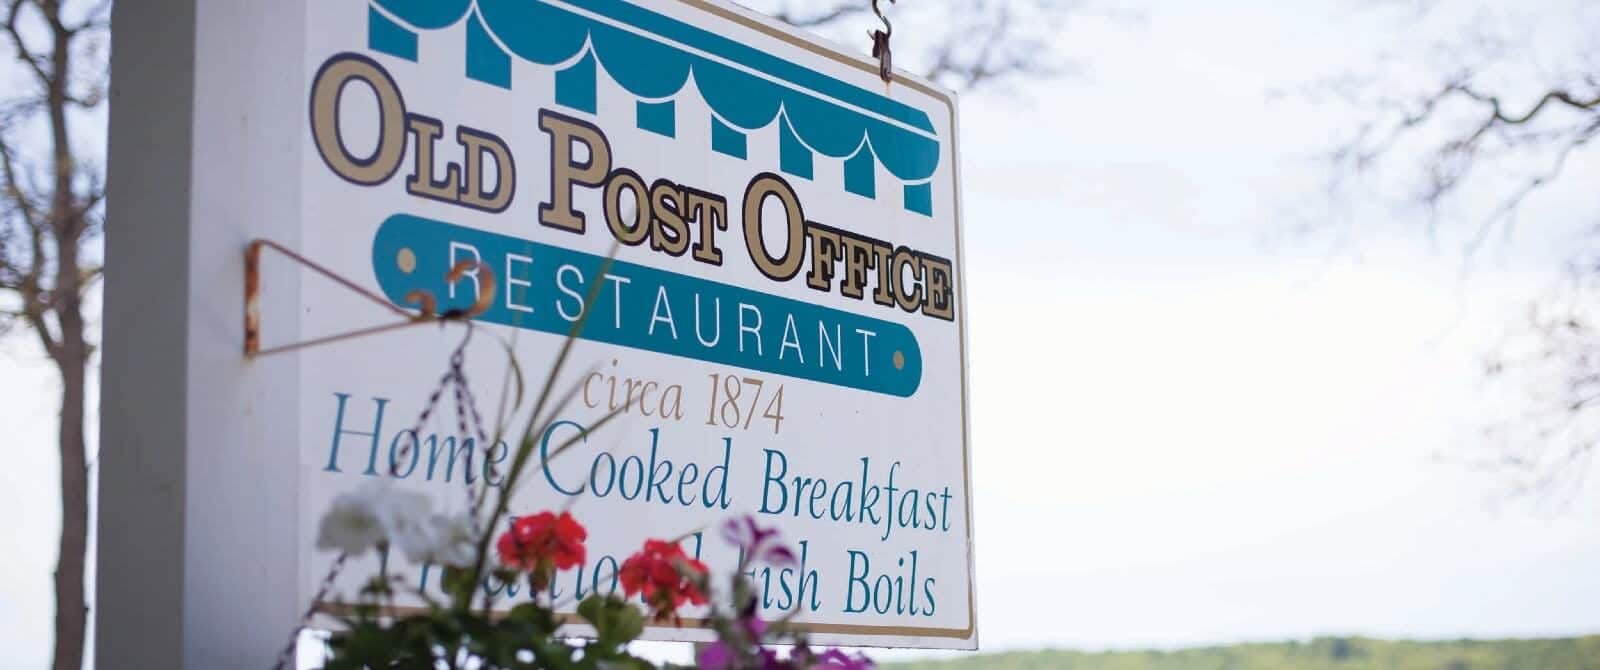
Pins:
<point x="1188" y="427"/>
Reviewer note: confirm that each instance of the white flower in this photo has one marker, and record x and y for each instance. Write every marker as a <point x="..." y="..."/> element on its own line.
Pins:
<point x="352" y="524"/>
<point x="454" y="542"/>
<point x="404" y="516"/>
<point x="377" y="513"/>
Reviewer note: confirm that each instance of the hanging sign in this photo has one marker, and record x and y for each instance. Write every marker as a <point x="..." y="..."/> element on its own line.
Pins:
<point x="782" y="328"/>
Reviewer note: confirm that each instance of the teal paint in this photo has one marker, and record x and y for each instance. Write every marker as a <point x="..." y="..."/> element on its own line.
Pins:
<point x="385" y="36"/>
<point x="486" y="61"/>
<point x="657" y="117"/>
<point x="919" y="198"/>
<point x="793" y="157"/>
<point x="727" y="141"/>
<point x="624" y="316"/>
<point x="427" y="14"/>
<point x="575" y="86"/>
<point x="651" y="68"/>
<point x="859" y="177"/>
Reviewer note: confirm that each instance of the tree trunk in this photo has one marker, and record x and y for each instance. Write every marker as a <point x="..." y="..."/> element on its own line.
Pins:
<point x="71" y="357"/>
<point x="71" y="605"/>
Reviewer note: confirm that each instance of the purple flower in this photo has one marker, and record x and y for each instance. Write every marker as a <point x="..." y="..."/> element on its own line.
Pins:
<point x="759" y="544"/>
<point x="716" y="656"/>
<point x="833" y="658"/>
<point x="754" y="626"/>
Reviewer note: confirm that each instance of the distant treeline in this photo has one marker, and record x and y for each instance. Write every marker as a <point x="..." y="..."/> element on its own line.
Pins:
<point x="1330" y="653"/>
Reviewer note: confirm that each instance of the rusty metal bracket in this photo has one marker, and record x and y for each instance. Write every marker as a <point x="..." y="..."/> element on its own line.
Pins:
<point x="427" y="305"/>
<point x="880" y="45"/>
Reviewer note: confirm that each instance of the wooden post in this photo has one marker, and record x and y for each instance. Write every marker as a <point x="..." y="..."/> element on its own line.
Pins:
<point x="197" y="548"/>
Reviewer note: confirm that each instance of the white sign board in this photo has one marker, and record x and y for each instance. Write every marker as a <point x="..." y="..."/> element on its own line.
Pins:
<point x="784" y="320"/>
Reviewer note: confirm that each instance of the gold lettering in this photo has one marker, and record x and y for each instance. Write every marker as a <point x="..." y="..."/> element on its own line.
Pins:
<point x="627" y="232"/>
<point x="426" y="133"/>
<point x="326" y="91"/>
<point x="477" y="144"/>
<point x="668" y="231"/>
<point x="711" y="211"/>
<point x="565" y="171"/>
<point x="824" y="253"/>
<point x="936" y="281"/>
<point x="786" y="266"/>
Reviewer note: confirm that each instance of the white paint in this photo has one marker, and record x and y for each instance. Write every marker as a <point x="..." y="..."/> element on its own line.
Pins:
<point x="197" y="561"/>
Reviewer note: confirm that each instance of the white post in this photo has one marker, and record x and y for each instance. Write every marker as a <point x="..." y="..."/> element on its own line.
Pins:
<point x="197" y="525"/>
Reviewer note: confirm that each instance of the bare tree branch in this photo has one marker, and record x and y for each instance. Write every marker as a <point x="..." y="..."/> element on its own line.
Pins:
<point x="24" y="55"/>
<point x="960" y="43"/>
<point x="98" y="18"/>
<point x="13" y="189"/>
<point x="1466" y="148"/>
<point x="49" y="214"/>
<point x="1471" y="152"/>
<point x="1499" y="115"/>
<point x="1508" y="208"/>
<point x="826" y="17"/>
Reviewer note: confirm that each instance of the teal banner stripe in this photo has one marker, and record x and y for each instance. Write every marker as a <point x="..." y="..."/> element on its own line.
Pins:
<point x="541" y="287"/>
<point x="656" y="56"/>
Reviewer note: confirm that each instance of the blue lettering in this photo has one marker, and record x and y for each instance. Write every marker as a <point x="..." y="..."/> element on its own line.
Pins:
<point x="869" y="505"/>
<point x="857" y="578"/>
<point x="454" y="450"/>
<point x="721" y="498"/>
<point x="394" y="453"/>
<point x="686" y="478"/>
<point x="656" y="469"/>
<point x="544" y="455"/>
<point x="610" y="478"/>
<point x="771" y="479"/>
<point x="491" y="463"/>
<point x="622" y="478"/>
<point x="339" y="429"/>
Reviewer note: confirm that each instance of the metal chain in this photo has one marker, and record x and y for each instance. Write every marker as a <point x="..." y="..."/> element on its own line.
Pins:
<point x="286" y="657"/>
<point x="466" y="404"/>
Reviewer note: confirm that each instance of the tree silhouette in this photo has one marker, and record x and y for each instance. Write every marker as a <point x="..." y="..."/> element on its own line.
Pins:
<point x="50" y="224"/>
<point x="1492" y="125"/>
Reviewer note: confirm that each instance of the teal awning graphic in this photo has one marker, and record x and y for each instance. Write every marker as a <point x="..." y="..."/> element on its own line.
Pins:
<point x="746" y="88"/>
<point x="541" y="287"/>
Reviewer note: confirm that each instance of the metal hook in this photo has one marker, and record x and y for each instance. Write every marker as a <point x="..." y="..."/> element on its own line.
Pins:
<point x="880" y="44"/>
<point x="485" y="280"/>
<point x="887" y="27"/>
<point x="428" y="306"/>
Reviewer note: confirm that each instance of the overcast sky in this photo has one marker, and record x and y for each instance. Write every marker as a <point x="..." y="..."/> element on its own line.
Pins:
<point x="1186" y="428"/>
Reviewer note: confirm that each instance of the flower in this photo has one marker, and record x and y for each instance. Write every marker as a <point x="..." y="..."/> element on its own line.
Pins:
<point x="723" y="656"/>
<point x="542" y="544"/>
<point x="404" y="516"/>
<point x="667" y="576"/>
<point x="757" y="543"/>
<point x="377" y="515"/>
<point x="351" y="524"/>
<point x="444" y="539"/>
<point x="735" y="651"/>
<point x="715" y="656"/>
<point x="833" y="658"/>
<point x="372" y="515"/>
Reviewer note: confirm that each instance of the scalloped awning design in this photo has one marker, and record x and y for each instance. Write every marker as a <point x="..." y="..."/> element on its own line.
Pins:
<point x="747" y="89"/>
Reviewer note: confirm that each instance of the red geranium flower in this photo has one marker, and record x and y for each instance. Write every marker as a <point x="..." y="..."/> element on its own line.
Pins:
<point x="542" y="544"/>
<point x="667" y="576"/>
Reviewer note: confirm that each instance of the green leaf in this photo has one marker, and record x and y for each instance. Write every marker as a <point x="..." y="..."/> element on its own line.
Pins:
<point x="616" y="621"/>
<point x="541" y="620"/>
<point x="458" y="583"/>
